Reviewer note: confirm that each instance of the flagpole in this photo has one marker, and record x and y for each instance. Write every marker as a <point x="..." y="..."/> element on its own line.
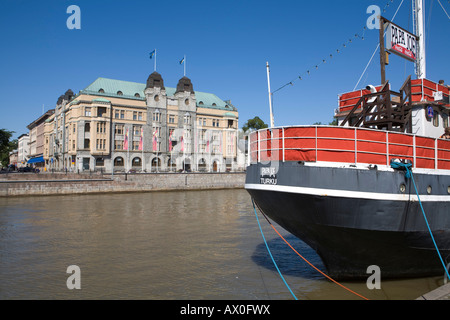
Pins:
<point x="155" y="60"/>
<point x="270" y="96"/>
<point x="142" y="133"/>
<point x="184" y="62"/>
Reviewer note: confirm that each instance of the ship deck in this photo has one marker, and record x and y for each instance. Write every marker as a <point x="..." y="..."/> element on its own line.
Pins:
<point x="347" y="145"/>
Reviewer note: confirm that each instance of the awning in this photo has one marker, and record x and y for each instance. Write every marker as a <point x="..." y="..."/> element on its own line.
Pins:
<point x="36" y="160"/>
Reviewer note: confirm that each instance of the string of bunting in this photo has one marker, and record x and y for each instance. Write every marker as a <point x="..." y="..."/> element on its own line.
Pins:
<point x="359" y="35"/>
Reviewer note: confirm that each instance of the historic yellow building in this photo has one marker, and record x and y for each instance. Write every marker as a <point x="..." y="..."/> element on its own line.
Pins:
<point x="142" y="127"/>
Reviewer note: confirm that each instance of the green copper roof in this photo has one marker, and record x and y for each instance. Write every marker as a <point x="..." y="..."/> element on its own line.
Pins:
<point x="101" y="100"/>
<point x="229" y="114"/>
<point x="112" y="88"/>
<point x="133" y="90"/>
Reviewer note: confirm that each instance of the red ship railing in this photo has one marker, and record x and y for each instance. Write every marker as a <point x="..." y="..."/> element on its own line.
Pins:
<point x="350" y="145"/>
<point x="422" y="90"/>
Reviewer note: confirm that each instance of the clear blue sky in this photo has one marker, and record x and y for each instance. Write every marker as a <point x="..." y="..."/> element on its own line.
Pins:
<point x="226" y="43"/>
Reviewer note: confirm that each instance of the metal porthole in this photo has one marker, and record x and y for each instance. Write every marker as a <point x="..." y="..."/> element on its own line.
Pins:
<point x="429" y="189"/>
<point x="402" y="188"/>
<point x="448" y="189"/>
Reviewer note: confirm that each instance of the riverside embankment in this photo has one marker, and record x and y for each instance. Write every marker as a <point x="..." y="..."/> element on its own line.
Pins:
<point x="20" y="184"/>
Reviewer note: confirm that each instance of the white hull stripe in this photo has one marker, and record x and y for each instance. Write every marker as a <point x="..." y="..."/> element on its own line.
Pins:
<point x="348" y="193"/>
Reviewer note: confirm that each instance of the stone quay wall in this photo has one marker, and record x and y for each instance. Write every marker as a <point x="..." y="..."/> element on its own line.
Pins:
<point x="54" y="184"/>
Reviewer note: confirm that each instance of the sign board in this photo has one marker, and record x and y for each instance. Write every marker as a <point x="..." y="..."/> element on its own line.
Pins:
<point x="438" y="95"/>
<point x="401" y="42"/>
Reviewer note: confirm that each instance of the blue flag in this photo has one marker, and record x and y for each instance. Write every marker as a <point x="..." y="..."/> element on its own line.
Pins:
<point x="181" y="61"/>
<point x="152" y="54"/>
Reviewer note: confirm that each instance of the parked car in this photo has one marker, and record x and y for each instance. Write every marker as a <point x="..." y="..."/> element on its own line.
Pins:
<point x="25" y="169"/>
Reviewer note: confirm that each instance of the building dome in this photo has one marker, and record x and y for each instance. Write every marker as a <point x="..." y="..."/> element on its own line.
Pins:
<point x="60" y="100"/>
<point x="68" y="95"/>
<point x="155" y="80"/>
<point x="185" y="84"/>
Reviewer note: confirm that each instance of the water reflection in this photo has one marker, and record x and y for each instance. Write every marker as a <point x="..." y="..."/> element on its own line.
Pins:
<point x="161" y="245"/>
<point x="287" y="260"/>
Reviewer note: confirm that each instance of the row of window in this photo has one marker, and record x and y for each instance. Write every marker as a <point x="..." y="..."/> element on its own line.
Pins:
<point x="202" y="122"/>
<point x="138" y="116"/>
<point x="100" y="144"/>
<point x="120" y="130"/>
<point x="120" y="114"/>
<point x="119" y="145"/>
<point x="119" y="93"/>
<point x="156" y="97"/>
<point x="101" y="111"/>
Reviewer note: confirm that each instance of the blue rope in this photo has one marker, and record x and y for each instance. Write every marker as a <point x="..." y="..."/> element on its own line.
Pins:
<point x="267" y="246"/>
<point x="407" y="166"/>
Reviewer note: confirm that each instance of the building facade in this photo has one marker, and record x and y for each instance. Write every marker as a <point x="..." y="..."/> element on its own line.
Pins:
<point x="23" y="150"/>
<point x="36" y="139"/>
<point x="146" y="127"/>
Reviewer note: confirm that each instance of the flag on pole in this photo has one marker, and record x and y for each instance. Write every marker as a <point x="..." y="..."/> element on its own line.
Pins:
<point x="153" y="54"/>
<point x="155" y="140"/>
<point x="141" y="139"/>
<point x="125" y="142"/>
<point x="170" y="141"/>
<point x="183" y="62"/>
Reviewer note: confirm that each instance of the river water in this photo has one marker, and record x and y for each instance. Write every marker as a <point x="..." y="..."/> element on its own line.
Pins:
<point x="161" y="245"/>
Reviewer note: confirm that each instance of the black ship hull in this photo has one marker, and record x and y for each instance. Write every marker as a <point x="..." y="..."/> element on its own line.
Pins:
<point x="358" y="217"/>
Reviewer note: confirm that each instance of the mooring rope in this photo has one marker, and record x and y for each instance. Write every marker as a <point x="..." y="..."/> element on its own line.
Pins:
<point x="306" y="260"/>
<point x="270" y="253"/>
<point x="408" y="174"/>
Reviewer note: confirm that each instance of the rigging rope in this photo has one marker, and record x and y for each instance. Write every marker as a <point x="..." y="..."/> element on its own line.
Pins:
<point x="273" y="260"/>
<point x="344" y="45"/>
<point x="304" y="259"/>
<point x="444" y="9"/>
<point x="408" y="174"/>
<point x="376" y="49"/>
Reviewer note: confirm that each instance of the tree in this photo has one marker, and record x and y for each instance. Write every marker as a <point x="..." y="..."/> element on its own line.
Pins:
<point x="332" y="123"/>
<point x="254" y="124"/>
<point x="6" y="146"/>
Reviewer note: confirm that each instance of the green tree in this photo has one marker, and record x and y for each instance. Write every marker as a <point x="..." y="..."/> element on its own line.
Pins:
<point x="254" y="124"/>
<point x="6" y="146"/>
<point x="332" y="123"/>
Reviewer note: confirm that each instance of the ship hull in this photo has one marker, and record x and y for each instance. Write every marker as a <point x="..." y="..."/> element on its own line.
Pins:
<point x="356" y="218"/>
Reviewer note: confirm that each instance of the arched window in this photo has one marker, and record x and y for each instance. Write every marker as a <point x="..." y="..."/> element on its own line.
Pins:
<point x="118" y="162"/>
<point x="156" y="164"/>
<point x="215" y="166"/>
<point x="101" y="90"/>
<point x="171" y="163"/>
<point x="119" y="93"/>
<point x="202" y="165"/>
<point x="187" y="118"/>
<point x="136" y="162"/>
<point x="137" y="95"/>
